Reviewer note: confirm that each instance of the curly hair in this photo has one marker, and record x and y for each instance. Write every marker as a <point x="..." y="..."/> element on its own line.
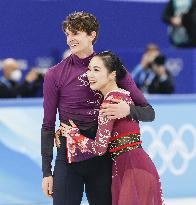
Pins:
<point x="81" y="21"/>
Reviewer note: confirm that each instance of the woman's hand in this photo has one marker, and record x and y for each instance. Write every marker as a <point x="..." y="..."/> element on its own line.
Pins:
<point x="66" y="131"/>
<point x="73" y="131"/>
<point x="47" y="186"/>
<point x="62" y="131"/>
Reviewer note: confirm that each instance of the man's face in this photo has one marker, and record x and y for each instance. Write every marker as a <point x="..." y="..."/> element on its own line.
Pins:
<point x="9" y="67"/>
<point x="152" y="54"/>
<point x="79" y="43"/>
<point x="158" y="69"/>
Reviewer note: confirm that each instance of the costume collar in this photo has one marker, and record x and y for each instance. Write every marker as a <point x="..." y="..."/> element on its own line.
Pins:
<point x="82" y="61"/>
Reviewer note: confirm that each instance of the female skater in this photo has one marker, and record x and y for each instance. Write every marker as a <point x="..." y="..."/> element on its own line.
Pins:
<point x="135" y="180"/>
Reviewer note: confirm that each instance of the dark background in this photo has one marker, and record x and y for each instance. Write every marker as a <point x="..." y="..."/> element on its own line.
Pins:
<point x="31" y="30"/>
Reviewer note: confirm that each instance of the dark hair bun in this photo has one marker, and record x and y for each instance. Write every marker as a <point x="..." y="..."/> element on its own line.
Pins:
<point x="113" y="63"/>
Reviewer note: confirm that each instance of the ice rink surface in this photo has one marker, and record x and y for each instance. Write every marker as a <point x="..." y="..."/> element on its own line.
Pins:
<point x="179" y="201"/>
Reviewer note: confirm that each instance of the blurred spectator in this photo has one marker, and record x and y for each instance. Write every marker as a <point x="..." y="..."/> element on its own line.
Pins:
<point x="181" y="17"/>
<point x="142" y="73"/>
<point x="34" y="83"/>
<point x="66" y="53"/>
<point x="163" y="80"/>
<point x="9" y="82"/>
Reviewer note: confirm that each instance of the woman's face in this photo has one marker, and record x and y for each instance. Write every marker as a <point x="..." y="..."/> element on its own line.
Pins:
<point x="98" y="76"/>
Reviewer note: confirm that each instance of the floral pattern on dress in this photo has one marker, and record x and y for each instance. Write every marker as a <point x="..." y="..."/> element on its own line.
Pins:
<point x="88" y="147"/>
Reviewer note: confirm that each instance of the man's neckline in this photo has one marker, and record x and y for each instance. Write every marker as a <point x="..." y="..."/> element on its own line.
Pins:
<point x="83" y="61"/>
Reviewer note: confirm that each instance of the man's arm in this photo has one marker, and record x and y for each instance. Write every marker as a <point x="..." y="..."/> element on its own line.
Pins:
<point x="5" y="92"/>
<point x="142" y="110"/>
<point x="145" y="114"/>
<point x="121" y="109"/>
<point x="32" y="83"/>
<point x="10" y="92"/>
<point x="168" y="12"/>
<point x="48" y="126"/>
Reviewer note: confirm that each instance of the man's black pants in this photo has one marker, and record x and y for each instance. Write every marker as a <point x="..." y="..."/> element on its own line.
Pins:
<point x="69" y="180"/>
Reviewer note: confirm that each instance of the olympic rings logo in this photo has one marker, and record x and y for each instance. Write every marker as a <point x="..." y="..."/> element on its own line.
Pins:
<point x="177" y="147"/>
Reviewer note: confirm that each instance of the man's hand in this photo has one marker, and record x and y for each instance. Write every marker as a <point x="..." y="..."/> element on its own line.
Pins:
<point x="31" y="76"/>
<point x="115" y="111"/>
<point x="47" y="186"/>
<point x="57" y="136"/>
<point x="176" y="21"/>
<point x="145" y="61"/>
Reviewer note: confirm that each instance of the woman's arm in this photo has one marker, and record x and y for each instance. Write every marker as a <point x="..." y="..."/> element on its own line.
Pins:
<point x="80" y="147"/>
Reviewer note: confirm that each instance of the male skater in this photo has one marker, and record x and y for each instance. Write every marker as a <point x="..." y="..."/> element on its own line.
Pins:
<point x="66" y="88"/>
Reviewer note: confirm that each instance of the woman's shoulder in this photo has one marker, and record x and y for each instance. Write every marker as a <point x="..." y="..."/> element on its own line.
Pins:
<point x="119" y="94"/>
